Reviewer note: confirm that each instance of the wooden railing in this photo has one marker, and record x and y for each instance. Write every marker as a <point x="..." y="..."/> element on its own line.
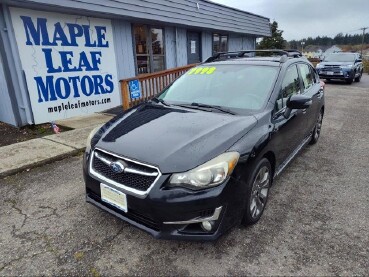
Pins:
<point x="150" y="84"/>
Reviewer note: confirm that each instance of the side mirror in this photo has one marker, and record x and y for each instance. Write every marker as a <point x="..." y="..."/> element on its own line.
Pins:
<point x="297" y="101"/>
<point x="358" y="61"/>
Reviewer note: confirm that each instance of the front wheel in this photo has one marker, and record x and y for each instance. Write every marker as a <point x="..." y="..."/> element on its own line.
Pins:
<point x="317" y="129"/>
<point x="358" y="78"/>
<point x="349" y="81"/>
<point x="257" y="192"/>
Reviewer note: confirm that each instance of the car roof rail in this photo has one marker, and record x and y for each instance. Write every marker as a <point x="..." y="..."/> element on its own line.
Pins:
<point x="294" y="53"/>
<point x="284" y="54"/>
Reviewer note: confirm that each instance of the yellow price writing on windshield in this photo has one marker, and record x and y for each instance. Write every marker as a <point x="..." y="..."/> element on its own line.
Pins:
<point x="201" y="70"/>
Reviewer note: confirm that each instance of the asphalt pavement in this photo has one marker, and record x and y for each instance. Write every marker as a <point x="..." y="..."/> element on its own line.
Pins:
<point x="316" y="221"/>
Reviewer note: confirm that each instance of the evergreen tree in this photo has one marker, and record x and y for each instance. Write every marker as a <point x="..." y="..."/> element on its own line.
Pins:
<point x="339" y="39"/>
<point x="276" y="41"/>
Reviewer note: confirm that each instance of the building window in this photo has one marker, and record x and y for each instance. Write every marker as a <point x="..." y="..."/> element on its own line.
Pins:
<point x="220" y="43"/>
<point x="149" y="47"/>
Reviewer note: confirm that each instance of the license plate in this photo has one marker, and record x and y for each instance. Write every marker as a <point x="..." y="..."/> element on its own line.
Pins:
<point x="113" y="197"/>
<point x="330" y="73"/>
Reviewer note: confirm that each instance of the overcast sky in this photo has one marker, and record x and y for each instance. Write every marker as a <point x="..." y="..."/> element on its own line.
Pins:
<point x="302" y="18"/>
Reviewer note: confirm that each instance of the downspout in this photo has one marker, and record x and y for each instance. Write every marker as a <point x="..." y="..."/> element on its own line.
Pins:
<point x="176" y="47"/>
<point x="20" y="84"/>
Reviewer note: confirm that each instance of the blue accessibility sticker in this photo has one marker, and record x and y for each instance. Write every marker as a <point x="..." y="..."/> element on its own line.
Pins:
<point x="134" y="89"/>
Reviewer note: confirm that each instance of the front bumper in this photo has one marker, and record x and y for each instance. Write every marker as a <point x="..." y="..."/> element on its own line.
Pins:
<point x="341" y="74"/>
<point x="170" y="213"/>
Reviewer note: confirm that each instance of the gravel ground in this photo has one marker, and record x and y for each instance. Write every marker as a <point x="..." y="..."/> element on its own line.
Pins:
<point x="316" y="222"/>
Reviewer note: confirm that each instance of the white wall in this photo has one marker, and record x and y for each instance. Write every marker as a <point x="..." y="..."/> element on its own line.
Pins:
<point x="206" y="45"/>
<point x="123" y="40"/>
<point x="170" y="47"/>
<point x="181" y="38"/>
<point x="240" y="42"/>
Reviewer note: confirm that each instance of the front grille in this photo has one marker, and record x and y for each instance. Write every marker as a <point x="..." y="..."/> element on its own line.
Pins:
<point x="131" y="180"/>
<point x="334" y="73"/>
<point x="332" y="67"/>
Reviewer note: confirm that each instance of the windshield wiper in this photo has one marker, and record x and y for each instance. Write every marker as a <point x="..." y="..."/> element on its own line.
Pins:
<point x="161" y="101"/>
<point x="206" y="107"/>
<point x="214" y="107"/>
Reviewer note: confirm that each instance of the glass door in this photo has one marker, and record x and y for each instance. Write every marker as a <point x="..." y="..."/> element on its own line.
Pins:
<point x="149" y="48"/>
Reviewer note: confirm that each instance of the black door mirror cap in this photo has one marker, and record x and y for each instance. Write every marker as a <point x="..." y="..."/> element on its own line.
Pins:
<point x="299" y="101"/>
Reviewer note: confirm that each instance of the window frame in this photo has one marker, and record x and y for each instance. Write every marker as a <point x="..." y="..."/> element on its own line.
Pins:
<point x="301" y="78"/>
<point x="220" y="39"/>
<point x="150" y="54"/>
<point x="278" y="112"/>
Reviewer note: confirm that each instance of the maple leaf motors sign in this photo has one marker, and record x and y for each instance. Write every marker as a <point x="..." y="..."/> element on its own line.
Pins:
<point x="69" y="63"/>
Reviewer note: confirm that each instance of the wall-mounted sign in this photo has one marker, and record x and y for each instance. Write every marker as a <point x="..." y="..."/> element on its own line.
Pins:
<point x="134" y="89"/>
<point x="69" y="63"/>
<point x="193" y="46"/>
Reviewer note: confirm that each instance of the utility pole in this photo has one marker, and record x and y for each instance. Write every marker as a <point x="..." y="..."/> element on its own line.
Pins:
<point x="362" y="41"/>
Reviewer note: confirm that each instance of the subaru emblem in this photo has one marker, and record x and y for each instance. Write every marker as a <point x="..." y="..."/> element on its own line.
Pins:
<point x="117" y="167"/>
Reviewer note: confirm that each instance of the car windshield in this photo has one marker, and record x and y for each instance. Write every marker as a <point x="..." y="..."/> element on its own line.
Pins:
<point x="236" y="87"/>
<point x="340" y="58"/>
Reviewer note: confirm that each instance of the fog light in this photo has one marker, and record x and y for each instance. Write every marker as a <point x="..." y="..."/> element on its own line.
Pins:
<point x="207" y="225"/>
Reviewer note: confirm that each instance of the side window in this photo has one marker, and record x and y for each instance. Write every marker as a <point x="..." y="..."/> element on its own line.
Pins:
<point x="314" y="75"/>
<point x="290" y="86"/>
<point x="306" y="75"/>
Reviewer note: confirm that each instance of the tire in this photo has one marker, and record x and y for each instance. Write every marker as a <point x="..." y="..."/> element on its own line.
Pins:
<point x="357" y="79"/>
<point x="349" y="81"/>
<point x="317" y="129"/>
<point x="257" y="192"/>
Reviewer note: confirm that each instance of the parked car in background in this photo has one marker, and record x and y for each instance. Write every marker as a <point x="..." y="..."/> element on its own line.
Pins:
<point x="201" y="157"/>
<point x="341" y="66"/>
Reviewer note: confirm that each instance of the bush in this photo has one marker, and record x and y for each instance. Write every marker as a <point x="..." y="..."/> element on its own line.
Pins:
<point x="366" y="66"/>
<point x="314" y="60"/>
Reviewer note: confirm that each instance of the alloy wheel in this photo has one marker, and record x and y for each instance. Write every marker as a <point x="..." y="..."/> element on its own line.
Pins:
<point x="259" y="192"/>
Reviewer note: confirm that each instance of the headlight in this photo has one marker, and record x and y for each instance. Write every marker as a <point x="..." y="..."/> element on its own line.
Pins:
<point x="346" y="66"/>
<point x="209" y="174"/>
<point x="91" y="135"/>
<point x="319" y="66"/>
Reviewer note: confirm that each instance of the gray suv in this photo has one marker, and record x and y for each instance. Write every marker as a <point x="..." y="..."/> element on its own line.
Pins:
<point x="341" y="66"/>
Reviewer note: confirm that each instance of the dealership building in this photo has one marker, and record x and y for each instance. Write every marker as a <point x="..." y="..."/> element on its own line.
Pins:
<point x="64" y="58"/>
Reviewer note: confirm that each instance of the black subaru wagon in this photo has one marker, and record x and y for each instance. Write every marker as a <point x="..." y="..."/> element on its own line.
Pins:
<point x="201" y="156"/>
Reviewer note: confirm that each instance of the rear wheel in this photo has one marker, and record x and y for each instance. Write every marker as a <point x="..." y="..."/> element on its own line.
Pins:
<point x="317" y="129"/>
<point x="257" y="192"/>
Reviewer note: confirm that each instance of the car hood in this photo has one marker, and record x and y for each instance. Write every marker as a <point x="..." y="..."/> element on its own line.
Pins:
<point x="336" y="63"/>
<point x="173" y="139"/>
